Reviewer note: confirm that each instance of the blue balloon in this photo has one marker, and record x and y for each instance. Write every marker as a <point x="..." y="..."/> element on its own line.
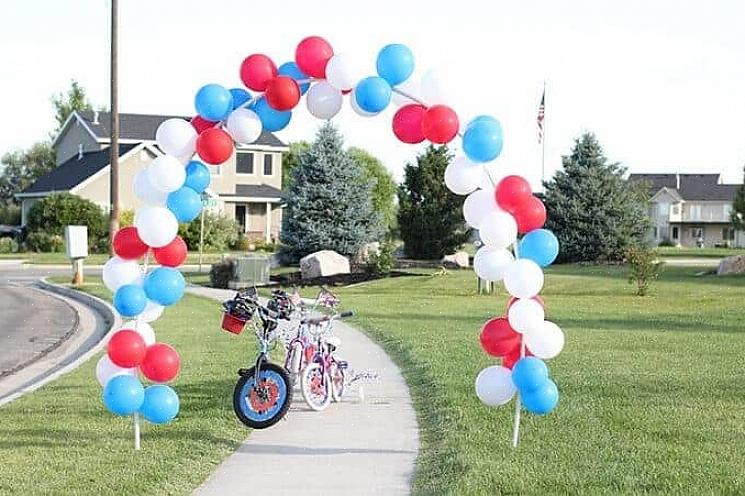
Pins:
<point x="185" y="203"/>
<point x="542" y="400"/>
<point x="165" y="286"/>
<point x="373" y="94"/>
<point x="213" y="102"/>
<point x="395" y="63"/>
<point x="482" y="141"/>
<point x="197" y="176"/>
<point x="529" y="374"/>
<point x="290" y="69"/>
<point x="240" y="96"/>
<point x="271" y="120"/>
<point x="130" y="300"/>
<point x="123" y="395"/>
<point x="161" y="404"/>
<point x="482" y="118"/>
<point x="540" y="246"/>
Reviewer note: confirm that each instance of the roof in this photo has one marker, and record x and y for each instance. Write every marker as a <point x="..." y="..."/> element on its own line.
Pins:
<point x="143" y="127"/>
<point x="74" y="171"/>
<point x="255" y="191"/>
<point x="690" y="187"/>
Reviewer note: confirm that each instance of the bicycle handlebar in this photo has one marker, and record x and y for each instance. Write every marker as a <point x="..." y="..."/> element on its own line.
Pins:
<point x="327" y="318"/>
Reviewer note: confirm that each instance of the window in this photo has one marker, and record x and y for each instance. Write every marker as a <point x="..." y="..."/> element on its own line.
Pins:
<point x="654" y="230"/>
<point x="727" y="211"/>
<point x="695" y="212"/>
<point x="663" y="209"/>
<point x="244" y="163"/>
<point x="675" y="232"/>
<point x="728" y="233"/>
<point x="240" y="216"/>
<point x="268" y="165"/>
<point x="676" y="209"/>
<point x="697" y="232"/>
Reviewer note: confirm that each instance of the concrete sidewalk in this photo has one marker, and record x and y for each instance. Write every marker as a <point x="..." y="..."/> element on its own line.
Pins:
<point x="353" y="448"/>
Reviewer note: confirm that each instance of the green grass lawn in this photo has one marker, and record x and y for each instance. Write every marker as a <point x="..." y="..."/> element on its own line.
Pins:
<point x="61" y="440"/>
<point x="101" y="258"/>
<point x="671" y="251"/>
<point x="652" y="389"/>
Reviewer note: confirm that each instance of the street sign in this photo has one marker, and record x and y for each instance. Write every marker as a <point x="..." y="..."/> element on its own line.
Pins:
<point x="209" y="202"/>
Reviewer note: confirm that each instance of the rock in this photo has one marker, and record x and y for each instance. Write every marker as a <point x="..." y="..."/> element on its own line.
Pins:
<point x="368" y="249"/>
<point x="732" y="265"/>
<point x="323" y="263"/>
<point x="458" y="260"/>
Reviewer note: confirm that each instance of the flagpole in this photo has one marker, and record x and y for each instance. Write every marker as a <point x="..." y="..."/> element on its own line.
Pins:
<point x="543" y="139"/>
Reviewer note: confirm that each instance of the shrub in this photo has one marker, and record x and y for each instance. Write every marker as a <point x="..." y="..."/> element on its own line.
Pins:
<point x="8" y="245"/>
<point x="262" y="245"/>
<point x="126" y="218"/>
<point x="221" y="273"/>
<point x="50" y="216"/>
<point x="645" y="267"/>
<point x="380" y="264"/>
<point x="43" y="242"/>
<point x="220" y="233"/>
<point x="10" y="214"/>
<point x="666" y="242"/>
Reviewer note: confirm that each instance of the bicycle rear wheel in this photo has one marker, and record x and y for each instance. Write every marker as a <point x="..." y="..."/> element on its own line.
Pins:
<point x="316" y="387"/>
<point x="263" y="403"/>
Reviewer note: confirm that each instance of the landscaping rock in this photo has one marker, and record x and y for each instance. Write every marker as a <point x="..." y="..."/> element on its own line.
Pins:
<point x="368" y="249"/>
<point x="732" y="265"/>
<point x="323" y="263"/>
<point x="458" y="260"/>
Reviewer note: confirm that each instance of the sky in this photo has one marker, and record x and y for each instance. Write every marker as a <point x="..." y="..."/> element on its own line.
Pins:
<point x="660" y="82"/>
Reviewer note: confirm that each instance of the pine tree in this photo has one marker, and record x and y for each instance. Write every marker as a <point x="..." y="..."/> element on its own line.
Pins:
<point x="328" y="206"/>
<point x="738" y="206"/>
<point x="592" y="209"/>
<point x="429" y="215"/>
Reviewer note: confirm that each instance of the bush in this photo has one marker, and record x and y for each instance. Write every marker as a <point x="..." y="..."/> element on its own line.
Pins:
<point x="645" y="267"/>
<point x="220" y="233"/>
<point x="43" y="242"/>
<point x="8" y="245"/>
<point x="262" y="245"/>
<point x="47" y="219"/>
<point x="126" y="218"/>
<point x="221" y="273"/>
<point x="380" y="264"/>
<point x="10" y="214"/>
<point x="666" y="242"/>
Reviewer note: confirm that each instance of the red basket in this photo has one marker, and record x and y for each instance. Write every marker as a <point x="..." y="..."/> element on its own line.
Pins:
<point x="233" y="324"/>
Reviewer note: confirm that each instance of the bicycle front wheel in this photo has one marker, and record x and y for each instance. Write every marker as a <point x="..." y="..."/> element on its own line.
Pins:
<point x="262" y="403"/>
<point x="315" y="385"/>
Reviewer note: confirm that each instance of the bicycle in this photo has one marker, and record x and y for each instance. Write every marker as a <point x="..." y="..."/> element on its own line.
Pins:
<point x="259" y="404"/>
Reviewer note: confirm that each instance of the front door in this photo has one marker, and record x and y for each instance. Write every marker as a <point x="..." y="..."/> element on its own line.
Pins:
<point x="675" y="234"/>
<point x="240" y="216"/>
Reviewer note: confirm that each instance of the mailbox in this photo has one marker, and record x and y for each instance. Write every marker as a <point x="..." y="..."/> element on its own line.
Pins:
<point x="76" y="241"/>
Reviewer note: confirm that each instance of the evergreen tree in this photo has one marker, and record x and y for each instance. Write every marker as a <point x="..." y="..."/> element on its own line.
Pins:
<point x="328" y="206"/>
<point x="430" y="216"/>
<point x="592" y="209"/>
<point x="738" y="207"/>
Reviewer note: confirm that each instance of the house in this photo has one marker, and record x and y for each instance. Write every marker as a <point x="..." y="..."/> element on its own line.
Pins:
<point x="246" y="188"/>
<point x="691" y="209"/>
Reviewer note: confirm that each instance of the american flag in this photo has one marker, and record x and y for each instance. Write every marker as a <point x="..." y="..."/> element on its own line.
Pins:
<point x="541" y="116"/>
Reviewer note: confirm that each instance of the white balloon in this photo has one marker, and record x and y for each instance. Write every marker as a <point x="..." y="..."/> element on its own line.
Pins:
<point x="105" y="370"/>
<point x="494" y="385"/>
<point x="323" y="100"/>
<point x="166" y="173"/>
<point x="176" y="137"/>
<point x="146" y="192"/>
<point x="434" y="89"/>
<point x="477" y="205"/>
<point x="152" y="312"/>
<point x="358" y="110"/>
<point x="342" y="72"/>
<point x="463" y="176"/>
<point x="156" y="226"/>
<point x="546" y="341"/>
<point x="498" y="229"/>
<point x="523" y="278"/>
<point x="489" y="263"/>
<point x="117" y="272"/>
<point x="142" y="328"/>
<point x="526" y="315"/>
<point x="410" y="87"/>
<point x="244" y="125"/>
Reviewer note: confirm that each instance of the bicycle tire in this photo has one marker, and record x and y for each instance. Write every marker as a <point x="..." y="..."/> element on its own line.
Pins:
<point x="240" y="403"/>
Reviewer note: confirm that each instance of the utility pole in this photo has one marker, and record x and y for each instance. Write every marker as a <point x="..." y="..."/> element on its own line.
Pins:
<point x="114" y="169"/>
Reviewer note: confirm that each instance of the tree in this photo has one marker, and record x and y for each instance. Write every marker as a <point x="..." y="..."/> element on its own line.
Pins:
<point x="592" y="209"/>
<point x="22" y="167"/>
<point x="328" y="205"/>
<point x="65" y="103"/>
<point x="290" y="160"/>
<point x="738" y="206"/>
<point x="49" y="216"/>
<point x="429" y="215"/>
<point x="384" y="189"/>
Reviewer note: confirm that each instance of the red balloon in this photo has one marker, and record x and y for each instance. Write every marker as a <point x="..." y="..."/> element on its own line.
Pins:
<point x="257" y="70"/>
<point x="440" y="124"/>
<point x="312" y="54"/>
<point x="171" y="255"/>
<point x="161" y="364"/>
<point x="512" y="193"/>
<point x="201" y="124"/>
<point x="511" y="358"/>
<point x="532" y="215"/>
<point x="282" y="93"/>
<point x="128" y="245"/>
<point x="498" y="338"/>
<point x="536" y="298"/>
<point x="215" y="146"/>
<point x="126" y="348"/>
<point x="407" y="123"/>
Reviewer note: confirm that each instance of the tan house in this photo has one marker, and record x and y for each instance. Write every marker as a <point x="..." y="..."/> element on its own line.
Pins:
<point x="247" y="188"/>
<point x="692" y="209"/>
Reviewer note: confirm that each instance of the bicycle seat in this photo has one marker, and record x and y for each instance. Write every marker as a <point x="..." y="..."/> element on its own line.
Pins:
<point x="333" y="341"/>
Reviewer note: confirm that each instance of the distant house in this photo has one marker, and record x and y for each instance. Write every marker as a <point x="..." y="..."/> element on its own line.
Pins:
<point x="246" y="188"/>
<point x="691" y="209"/>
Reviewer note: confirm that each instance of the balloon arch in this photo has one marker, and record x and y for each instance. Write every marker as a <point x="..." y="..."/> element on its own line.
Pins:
<point x="171" y="185"/>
